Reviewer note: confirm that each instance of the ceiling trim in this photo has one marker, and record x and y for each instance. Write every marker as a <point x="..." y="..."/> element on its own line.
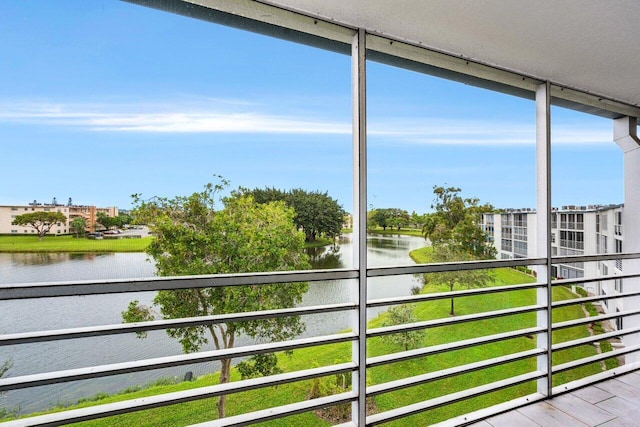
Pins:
<point x="266" y="18"/>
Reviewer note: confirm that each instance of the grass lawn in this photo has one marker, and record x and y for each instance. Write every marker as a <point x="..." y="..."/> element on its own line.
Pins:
<point x="403" y="231"/>
<point x="52" y="243"/>
<point x="199" y="411"/>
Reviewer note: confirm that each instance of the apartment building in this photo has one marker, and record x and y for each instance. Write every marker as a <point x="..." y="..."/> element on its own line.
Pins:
<point x="89" y="213"/>
<point x="575" y="230"/>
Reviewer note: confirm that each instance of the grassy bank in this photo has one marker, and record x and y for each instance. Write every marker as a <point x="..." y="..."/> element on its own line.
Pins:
<point x="31" y="244"/>
<point x="53" y="243"/>
<point x="402" y="231"/>
<point x="203" y="410"/>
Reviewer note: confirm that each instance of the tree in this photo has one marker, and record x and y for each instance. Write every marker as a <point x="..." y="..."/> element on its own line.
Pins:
<point x="400" y="315"/>
<point x="192" y="237"/>
<point x="390" y="217"/>
<point x="417" y="220"/>
<point x="461" y="278"/>
<point x="455" y="223"/>
<point x="78" y="225"/>
<point x="107" y="221"/>
<point x="455" y="235"/>
<point x="42" y="222"/>
<point x="316" y="213"/>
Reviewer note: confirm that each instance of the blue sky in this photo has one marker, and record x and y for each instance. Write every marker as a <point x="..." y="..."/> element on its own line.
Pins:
<point x="103" y="99"/>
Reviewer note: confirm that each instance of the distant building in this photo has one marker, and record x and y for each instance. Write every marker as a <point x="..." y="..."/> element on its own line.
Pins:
<point x="575" y="230"/>
<point x="89" y="213"/>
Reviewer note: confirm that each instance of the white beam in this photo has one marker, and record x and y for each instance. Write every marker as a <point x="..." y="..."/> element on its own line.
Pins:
<point x="624" y="135"/>
<point x="543" y="218"/>
<point x="359" y="348"/>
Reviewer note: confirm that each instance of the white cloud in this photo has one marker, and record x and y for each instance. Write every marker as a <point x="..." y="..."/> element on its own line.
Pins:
<point x="233" y="116"/>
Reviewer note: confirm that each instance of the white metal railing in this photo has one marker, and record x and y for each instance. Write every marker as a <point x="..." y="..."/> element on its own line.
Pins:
<point x="265" y="18"/>
<point x="27" y="291"/>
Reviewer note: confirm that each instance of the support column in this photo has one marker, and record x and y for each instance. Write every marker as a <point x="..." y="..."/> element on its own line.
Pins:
<point x="625" y="136"/>
<point x="359" y="323"/>
<point x="543" y="223"/>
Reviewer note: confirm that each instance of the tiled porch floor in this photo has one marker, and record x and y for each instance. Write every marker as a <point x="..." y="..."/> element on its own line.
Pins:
<point x="614" y="402"/>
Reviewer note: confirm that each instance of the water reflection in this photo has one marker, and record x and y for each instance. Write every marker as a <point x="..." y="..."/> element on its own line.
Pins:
<point x="69" y="312"/>
<point x="325" y="257"/>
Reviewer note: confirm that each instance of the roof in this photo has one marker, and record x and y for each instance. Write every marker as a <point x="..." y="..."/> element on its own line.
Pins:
<point x="589" y="46"/>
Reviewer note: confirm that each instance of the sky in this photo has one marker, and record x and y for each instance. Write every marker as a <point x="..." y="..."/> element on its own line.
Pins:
<point x="103" y="99"/>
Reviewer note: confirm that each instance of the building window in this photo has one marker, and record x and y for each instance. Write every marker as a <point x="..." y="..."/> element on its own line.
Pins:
<point x="618" y="224"/>
<point x="619" y="325"/>
<point x="618" y="244"/>
<point x="14" y="209"/>
<point x="618" y="285"/>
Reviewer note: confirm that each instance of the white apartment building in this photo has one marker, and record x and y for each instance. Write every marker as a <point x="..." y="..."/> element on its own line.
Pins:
<point x="575" y="230"/>
<point x="89" y="213"/>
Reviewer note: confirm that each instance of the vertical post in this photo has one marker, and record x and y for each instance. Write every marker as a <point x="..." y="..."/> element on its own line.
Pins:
<point x="359" y="348"/>
<point x="543" y="219"/>
<point x="625" y="136"/>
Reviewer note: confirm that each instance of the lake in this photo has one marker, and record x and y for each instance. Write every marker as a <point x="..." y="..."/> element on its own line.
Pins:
<point x="68" y="312"/>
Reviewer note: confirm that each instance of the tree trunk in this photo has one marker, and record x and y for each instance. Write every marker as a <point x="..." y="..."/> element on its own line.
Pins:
<point x="451" y="313"/>
<point x="225" y="371"/>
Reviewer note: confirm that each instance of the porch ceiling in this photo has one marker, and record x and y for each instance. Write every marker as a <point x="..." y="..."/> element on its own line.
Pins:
<point x="593" y="46"/>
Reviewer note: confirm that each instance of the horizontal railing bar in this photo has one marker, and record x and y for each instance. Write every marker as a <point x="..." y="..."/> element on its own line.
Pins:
<point x="416" y="408"/>
<point x="593" y="338"/>
<point x="575" y="281"/>
<point x="149" y="402"/>
<point x="453" y="266"/>
<point x="484" y="413"/>
<point x="281" y="411"/>
<point x="597" y="358"/>
<point x="596" y="378"/>
<point x="587" y="320"/>
<point x="452" y="321"/>
<point x="596" y="298"/>
<point x="121" y="328"/>
<point x="145" y="284"/>
<point x="34" y="380"/>
<point x="451" y="372"/>
<point x="446" y="295"/>
<point x="443" y="348"/>
<point x="571" y="259"/>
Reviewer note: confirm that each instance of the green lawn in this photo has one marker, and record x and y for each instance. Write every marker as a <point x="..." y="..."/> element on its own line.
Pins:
<point x="199" y="411"/>
<point x="403" y="231"/>
<point x="52" y="243"/>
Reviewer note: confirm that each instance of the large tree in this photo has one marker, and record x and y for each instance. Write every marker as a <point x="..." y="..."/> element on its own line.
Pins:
<point x="390" y="217"/>
<point x="193" y="237"/>
<point x="42" y="221"/>
<point x="316" y="213"/>
<point x="455" y="235"/>
<point x="455" y="223"/>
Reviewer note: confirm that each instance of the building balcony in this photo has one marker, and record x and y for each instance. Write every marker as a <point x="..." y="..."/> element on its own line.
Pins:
<point x="532" y="370"/>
